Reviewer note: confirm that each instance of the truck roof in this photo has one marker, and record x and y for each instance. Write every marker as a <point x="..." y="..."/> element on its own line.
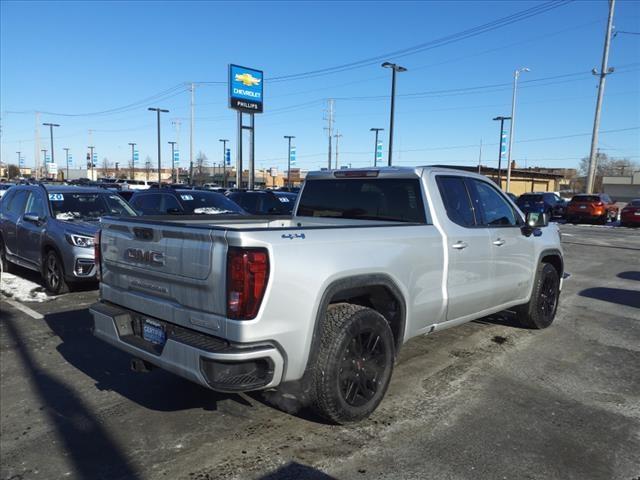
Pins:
<point x="385" y="172"/>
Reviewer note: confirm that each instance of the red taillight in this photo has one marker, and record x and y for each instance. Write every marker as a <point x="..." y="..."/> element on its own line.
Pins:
<point x="247" y="276"/>
<point x="96" y="254"/>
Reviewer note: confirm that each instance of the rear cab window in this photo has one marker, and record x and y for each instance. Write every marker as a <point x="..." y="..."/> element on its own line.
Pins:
<point x="385" y="199"/>
<point x="456" y="200"/>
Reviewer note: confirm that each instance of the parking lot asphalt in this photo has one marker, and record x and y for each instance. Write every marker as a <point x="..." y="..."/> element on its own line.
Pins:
<point x="486" y="400"/>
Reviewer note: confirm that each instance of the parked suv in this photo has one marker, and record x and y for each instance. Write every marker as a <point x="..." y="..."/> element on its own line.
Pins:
<point x="167" y="201"/>
<point x="598" y="207"/>
<point x="542" y="202"/>
<point x="50" y="229"/>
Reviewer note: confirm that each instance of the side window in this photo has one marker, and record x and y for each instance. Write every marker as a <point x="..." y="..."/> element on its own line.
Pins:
<point x="35" y="205"/>
<point x="494" y="208"/>
<point x="16" y="206"/>
<point x="550" y="198"/>
<point x="456" y="200"/>
<point x="5" y="201"/>
<point x="147" y="204"/>
<point x="170" y="203"/>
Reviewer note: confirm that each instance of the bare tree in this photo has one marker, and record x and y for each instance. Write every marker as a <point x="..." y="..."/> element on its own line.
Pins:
<point x="147" y="166"/>
<point x="200" y="173"/>
<point x="607" y="166"/>
<point x="13" y="171"/>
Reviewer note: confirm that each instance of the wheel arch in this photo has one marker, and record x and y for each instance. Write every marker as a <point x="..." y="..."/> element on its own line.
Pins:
<point x="554" y="257"/>
<point x="50" y="246"/>
<point x="369" y="290"/>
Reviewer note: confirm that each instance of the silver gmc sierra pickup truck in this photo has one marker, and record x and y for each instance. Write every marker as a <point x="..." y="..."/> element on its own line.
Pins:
<point x="325" y="299"/>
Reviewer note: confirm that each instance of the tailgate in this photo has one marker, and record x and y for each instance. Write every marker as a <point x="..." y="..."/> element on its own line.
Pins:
<point x="163" y="270"/>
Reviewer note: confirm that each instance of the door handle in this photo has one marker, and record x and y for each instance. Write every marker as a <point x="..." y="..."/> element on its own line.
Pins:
<point x="499" y="242"/>
<point x="459" y="245"/>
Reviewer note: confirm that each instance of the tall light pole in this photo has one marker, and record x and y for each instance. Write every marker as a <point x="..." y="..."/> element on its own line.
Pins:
<point x="19" y="158"/>
<point x="289" y="137"/>
<point x="173" y="166"/>
<point x="394" y="68"/>
<point x="91" y="147"/>
<point x="159" y="111"/>
<point x="337" y="136"/>
<point x="375" y="148"/>
<point x="516" y="75"/>
<point x="500" y="148"/>
<point x="66" y="157"/>
<point x="51" y="125"/>
<point x="604" y="71"/>
<point x="224" y="161"/>
<point x="133" y="160"/>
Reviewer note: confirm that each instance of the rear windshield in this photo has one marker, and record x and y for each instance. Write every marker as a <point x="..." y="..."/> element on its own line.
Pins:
<point x="87" y="206"/>
<point x="585" y="198"/>
<point x="530" y="198"/>
<point x="635" y="203"/>
<point x="209" y="203"/>
<point x="366" y="199"/>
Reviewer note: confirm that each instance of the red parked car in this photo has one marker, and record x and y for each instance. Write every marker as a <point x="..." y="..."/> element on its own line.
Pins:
<point x="597" y="207"/>
<point x="630" y="215"/>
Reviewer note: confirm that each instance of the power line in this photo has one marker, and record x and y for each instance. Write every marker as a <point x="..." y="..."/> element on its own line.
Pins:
<point x="462" y="35"/>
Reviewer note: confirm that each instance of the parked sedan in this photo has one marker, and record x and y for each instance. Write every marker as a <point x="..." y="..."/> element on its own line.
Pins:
<point x="542" y="202"/>
<point x="598" y="208"/>
<point x="630" y="215"/>
<point x="50" y="229"/>
<point x="183" y="201"/>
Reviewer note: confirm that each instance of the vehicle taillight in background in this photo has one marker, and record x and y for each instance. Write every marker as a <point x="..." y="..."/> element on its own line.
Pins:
<point x="247" y="276"/>
<point x="96" y="253"/>
<point x="599" y="204"/>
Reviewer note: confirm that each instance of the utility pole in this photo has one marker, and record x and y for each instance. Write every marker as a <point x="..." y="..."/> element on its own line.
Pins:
<point x="224" y="161"/>
<point x="604" y="71"/>
<point x="501" y="147"/>
<point x="173" y="166"/>
<point x="289" y="137"/>
<point x="66" y="155"/>
<point x="193" y="89"/>
<point x="337" y="137"/>
<point x="44" y="160"/>
<point x="516" y="75"/>
<point x="133" y="161"/>
<point x="375" y="147"/>
<point x="159" y="111"/>
<point x="51" y="125"/>
<point x="329" y="127"/>
<point x="91" y="147"/>
<point x="394" y="69"/>
<point x="19" y="158"/>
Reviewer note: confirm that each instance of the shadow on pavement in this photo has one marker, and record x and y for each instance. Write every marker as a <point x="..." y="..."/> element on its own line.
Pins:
<point x="621" y="296"/>
<point x="91" y="449"/>
<point x="296" y="471"/>
<point x="630" y="276"/>
<point x="505" y="318"/>
<point x="110" y="368"/>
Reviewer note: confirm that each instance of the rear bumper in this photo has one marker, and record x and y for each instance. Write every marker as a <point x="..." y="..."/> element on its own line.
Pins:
<point x="209" y="361"/>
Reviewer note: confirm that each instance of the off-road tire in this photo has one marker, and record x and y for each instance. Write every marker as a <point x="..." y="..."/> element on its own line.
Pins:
<point x="540" y="311"/>
<point x="53" y="274"/>
<point x="351" y="331"/>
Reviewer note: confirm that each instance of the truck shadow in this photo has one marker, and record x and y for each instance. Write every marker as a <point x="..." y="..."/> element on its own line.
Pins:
<point x="504" y="318"/>
<point x="295" y="471"/>
<point x="620" y="296"/>
<point x="630" y="276"/>
<point x="110" y="369"/>
<point x="92" y="451"/>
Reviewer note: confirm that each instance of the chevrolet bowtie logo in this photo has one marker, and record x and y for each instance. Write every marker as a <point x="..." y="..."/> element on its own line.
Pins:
<point x="247" y="79"/>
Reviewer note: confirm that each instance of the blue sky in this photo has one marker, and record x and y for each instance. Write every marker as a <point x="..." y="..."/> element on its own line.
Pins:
<point x="84" y="57"/>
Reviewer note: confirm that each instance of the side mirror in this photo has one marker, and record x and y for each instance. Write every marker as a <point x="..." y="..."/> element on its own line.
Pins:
<point x="31" y="217"/>
<point x="537" y="220"/>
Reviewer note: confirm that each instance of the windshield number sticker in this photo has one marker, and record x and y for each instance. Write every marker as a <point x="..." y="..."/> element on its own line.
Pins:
<point x="186" y="197"/>
<point x="283" y="199"/>
<point x="56" y="197"/>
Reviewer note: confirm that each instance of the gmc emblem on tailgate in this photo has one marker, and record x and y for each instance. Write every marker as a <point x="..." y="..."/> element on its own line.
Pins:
<point x="144" y="256"/>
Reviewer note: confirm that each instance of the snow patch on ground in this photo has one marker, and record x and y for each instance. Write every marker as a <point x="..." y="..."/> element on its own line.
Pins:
<point x="22" y="290"/>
